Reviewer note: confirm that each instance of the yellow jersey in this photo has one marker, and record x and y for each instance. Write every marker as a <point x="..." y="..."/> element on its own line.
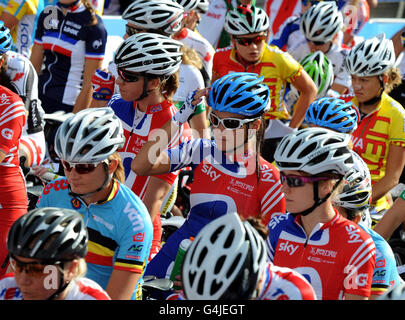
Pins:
<point x="277" y="67"/>
<point x="374" y="135"/>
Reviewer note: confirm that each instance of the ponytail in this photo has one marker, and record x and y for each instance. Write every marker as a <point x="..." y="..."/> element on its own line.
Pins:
<point x="89" y="7"/>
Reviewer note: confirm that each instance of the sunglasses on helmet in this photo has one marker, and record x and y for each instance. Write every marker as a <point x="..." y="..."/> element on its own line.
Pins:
<point x="248" y="41"/>
<point x="81" y="168"/>
<point x="299" y="181"/>
<point x="228" y="123"/>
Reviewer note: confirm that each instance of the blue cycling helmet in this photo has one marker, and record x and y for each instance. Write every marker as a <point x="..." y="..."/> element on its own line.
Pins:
<point x="240" y="93"/>
<point x="332" y="113"/>
<point x="6" y="41"/>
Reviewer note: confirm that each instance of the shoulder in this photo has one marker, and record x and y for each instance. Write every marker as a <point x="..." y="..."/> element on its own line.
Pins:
<point x="86" y="289"/>
<point x="392" y="105"/>
<point x="278" y="222"/>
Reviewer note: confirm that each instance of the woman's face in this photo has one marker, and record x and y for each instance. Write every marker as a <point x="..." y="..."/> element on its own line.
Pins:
<point x="83" y="183"/>
<point x="130" y="90"/>
<point x="228" y="140"/>
<point x="365" y="88"/>
<point x="39" y="283"/>
<point x="251" y="52"/>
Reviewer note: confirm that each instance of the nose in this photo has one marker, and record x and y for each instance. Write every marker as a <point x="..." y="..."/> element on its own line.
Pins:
<point x="24" y="278"/>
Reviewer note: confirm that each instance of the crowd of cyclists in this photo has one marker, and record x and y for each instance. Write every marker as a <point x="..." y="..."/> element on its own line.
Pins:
<point x="288" y="129"/>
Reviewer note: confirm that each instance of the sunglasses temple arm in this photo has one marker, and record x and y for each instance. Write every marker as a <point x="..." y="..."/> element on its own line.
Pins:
<point x="5" y="263"/>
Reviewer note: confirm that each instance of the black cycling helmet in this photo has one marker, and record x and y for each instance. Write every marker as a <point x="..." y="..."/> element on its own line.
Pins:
<point x="49" y="234"/>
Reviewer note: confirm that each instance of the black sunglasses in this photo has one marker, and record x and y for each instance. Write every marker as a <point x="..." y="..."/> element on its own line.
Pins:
<point x="128" y="76"/>
<point x="317" y="43"/>
<point x="299" y="181"/>
<point x="248" y="41"/>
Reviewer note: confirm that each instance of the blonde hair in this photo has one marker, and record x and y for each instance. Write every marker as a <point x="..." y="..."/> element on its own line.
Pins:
<point x="89" y="7"/>
<point x="119" y="173"/>
<point x="81" y="269"/>
<point x="169" y="85"/>
<point x="191" y="57"/>
<point x="394" y="79"/>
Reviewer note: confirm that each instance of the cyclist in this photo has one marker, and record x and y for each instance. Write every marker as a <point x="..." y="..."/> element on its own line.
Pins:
<point x="320" y="69"/>
<point x="352" y="203"/>
<point x="18" y="75"/>
<point x="229" y="173"/>
<point x="334" y="254"/>
<point x="381" y="119"/>
<point x="44" y="243"/>
<point x="13" y="193"/>
<point x="21" y="17"/>
<point x="194" y="40"/>
<point x="119" y="226"/>
<point x="321" y="26"/>
<point x="248" y="27"/>
<point x="227" y="261"/>
<point x="70" y="41"/>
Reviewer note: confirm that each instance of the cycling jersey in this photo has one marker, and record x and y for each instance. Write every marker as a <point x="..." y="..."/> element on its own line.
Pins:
<point x="27" y="13"/>
<point x="336" y="55"/>
<point x="385" y="273"/>
<point x="337" y="258"/>
<point x="67" y="41"/>
<point x="279" y="11"/>
<point x="137" y="128"/>
<point x="190" y="79"/>
<point x="276" y="66"/>
<point x="220" y="186"/>
<point x="289" y="36"/>
<point x="120" y="229"/>
<point x="374" y="135"/>
<point x="285" y="284"/>
<point x="24" y="82"/>
<point x="196" y="41"/>
<point x="79" y="289"/>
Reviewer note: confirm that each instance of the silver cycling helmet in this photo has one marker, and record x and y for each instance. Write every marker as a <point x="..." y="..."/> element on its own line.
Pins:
<point x="356" y="193"/>
<point x="371" y="57"/>
<point x="314" y="151"/>
<point x="203" y="6"/>
<point x="89" y="136"/>
<point x="245" y="20"/>
<point x="225" y="261"/>
<point x="321" y="21"/>
<point x="149" y="53"/>
<point x="160" y="15"/>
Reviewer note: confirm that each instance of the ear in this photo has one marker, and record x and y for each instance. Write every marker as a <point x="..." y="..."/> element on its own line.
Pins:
<point x="255" y="124"/>
<point x="112" y="166"/>
<point x="153" y="84"/>
<point x="72" y="269"/>
<point x="385" y="78"/>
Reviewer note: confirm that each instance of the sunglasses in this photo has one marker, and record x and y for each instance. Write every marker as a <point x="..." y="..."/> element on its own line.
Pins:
<point x="228" y="123"/>
<point x="130" y="31"/>
<point x="128" y="76"/>
<point x="317" y="43"/>
<point x="35" y="269"/>
<point x="81" y="168"/>
<point x="248" y="41"/>
<point x="299" y="181"/>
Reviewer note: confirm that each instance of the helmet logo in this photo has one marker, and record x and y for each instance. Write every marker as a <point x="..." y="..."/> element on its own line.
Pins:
<point x="147" y="62"/>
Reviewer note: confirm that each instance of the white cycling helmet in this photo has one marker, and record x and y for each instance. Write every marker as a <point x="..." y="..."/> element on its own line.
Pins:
<point x="89" y="136"/>
<point x="321" y="21"/>
<point x="356" y="193"/>
<point x="371" y="57"/>
<point x="225" y="261"/>
<point x="149" y="53"/>
<point x="245" y="20"/>
<point x="320" y="69"/>
<point x="188" y="5"/>
<point x="160" y="15"/>
<point x="203" y="6"/>
<point x="314" y="151"/>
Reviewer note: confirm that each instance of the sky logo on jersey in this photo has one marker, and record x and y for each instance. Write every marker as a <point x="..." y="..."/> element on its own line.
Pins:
<point x="354" y="234"/>
<point x="288" y="247"/>
<point x="209" y="171"/>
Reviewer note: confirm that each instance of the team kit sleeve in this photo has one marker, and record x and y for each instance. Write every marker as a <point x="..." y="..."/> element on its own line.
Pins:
<point x="11" y="125"/>
<point x="135" y="240"/>
<point x="19" y="8"/>
<point x="397" y="128"/>
<point x="96" y="40"/>
<point x="291" y="69"/>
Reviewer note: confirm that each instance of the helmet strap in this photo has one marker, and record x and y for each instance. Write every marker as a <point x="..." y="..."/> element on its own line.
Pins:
<point x="145" y="92"/>
<point x="62" y="285"/>
<point x="377" y="98"/>
<point x="317" y="200"/>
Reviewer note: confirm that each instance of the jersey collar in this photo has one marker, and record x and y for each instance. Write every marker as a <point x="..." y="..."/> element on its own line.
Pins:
<point x="164" y="105"/>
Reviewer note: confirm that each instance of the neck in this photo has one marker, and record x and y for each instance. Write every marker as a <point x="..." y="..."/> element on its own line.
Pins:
<point x="244" y="62"/>
<point x="322" y="214"/>
<point x="152" y="99"/>
<point x="99" y="196"/>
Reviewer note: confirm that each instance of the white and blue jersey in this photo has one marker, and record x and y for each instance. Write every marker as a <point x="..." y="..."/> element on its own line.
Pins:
<point x="120" y="229"/>
<point x="67" y="41"/>
<point x="289" y="35"/>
